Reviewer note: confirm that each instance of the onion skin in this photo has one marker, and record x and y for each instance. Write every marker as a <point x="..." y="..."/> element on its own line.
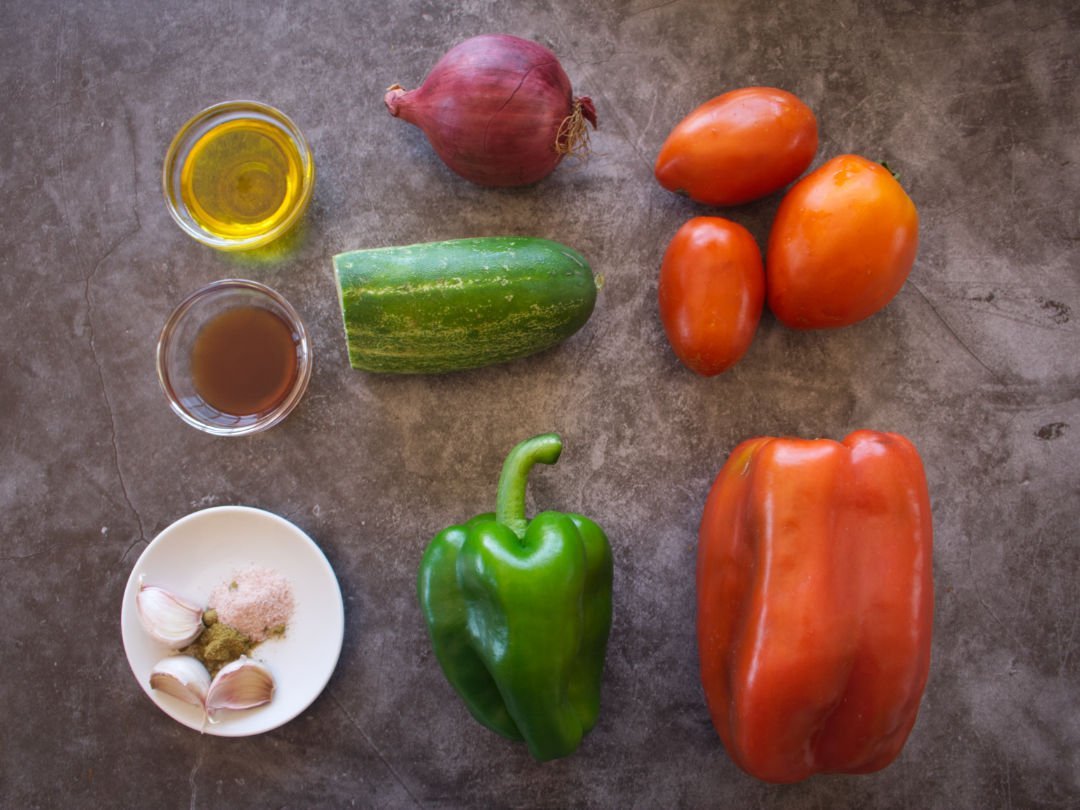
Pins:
<point x="496" y="109"/>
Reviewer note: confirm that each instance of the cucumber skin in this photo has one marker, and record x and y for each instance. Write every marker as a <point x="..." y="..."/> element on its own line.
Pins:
<point x="465" y="303"/>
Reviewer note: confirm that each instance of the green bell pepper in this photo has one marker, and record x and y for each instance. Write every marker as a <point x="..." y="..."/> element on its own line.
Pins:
<point x="519" y="612"/>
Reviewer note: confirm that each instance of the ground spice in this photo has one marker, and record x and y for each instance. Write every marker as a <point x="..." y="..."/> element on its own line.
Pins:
<point x="257" y="601"/>
<point x="218" y="644"/>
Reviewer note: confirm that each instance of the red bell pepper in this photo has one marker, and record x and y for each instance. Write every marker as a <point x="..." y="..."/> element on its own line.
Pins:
<point x="815" y="603"/>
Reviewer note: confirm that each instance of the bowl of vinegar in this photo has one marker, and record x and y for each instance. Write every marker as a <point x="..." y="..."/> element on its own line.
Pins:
<point x="233" y="358"/>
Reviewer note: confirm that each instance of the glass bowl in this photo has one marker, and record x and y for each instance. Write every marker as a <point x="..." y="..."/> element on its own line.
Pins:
<point x="235" y="151"/>
<point x="180" y="337"/>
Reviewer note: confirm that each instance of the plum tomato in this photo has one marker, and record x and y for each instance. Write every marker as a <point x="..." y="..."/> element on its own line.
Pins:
<point x="841" y="246"/>
<point x="711" y="292"/>
<point x="739" y="146"/>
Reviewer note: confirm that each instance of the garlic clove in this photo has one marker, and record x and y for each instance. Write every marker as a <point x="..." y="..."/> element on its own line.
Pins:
<point x="167" y="617"/>
<point x="243" y="684"/>
<point x="183" y="677"/>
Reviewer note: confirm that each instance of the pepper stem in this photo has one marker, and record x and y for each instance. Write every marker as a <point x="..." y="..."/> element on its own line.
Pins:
<point x="510" y="500"/>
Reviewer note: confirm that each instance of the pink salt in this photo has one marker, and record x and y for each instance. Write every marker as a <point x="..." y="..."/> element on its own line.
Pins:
<point x="256" y="601"/>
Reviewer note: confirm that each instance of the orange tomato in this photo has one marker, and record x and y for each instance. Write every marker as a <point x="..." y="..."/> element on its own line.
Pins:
<point x="712" y="288"/>
<point x="739" y="146"/>
<point x="841" y="246"/>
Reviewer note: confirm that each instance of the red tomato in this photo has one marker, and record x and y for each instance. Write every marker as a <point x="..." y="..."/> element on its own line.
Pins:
<point x="841" y="246"/>
<point x="712" y="287"/>
<point x="739" y="146"/>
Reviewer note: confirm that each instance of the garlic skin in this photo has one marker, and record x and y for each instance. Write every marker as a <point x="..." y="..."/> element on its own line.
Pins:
<point x="168" y="618"/>
<point x="243" y="684"/>
<point x="183" y="677"/>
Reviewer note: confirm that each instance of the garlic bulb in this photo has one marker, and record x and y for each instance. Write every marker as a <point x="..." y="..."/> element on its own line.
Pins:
<point x="183" y="677"/>
<point x="167" y="617"/>
<point x="243" y="684"/>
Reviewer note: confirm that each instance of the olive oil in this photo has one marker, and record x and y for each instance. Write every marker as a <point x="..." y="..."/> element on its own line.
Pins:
<point x="244" y="361"/>
<point x="243" y="178"/>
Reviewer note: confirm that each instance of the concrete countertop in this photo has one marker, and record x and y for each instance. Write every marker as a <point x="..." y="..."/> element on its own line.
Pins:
<point x="977" y="360"/>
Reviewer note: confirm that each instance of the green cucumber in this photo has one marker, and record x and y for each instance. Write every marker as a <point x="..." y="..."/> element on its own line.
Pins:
<point x="446" y="306"/>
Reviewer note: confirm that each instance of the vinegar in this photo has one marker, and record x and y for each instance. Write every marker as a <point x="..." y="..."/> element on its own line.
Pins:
<point x="244" y="361"/>
<point x="242" y="178"/>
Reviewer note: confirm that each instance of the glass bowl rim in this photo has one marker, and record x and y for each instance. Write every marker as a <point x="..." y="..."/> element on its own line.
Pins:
<point x="304" y="358"/>
<point x="181" y="140"/>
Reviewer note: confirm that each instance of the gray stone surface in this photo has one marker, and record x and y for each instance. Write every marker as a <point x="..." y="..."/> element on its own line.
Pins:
<point x="977" y="361"/>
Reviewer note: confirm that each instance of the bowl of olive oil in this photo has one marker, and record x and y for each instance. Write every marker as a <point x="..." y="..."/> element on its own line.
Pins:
<point x="238" y="175"/>
<point x="233" y="358"/>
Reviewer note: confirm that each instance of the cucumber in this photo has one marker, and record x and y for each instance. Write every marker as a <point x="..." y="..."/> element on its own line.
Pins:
<point x="446" y="306"/>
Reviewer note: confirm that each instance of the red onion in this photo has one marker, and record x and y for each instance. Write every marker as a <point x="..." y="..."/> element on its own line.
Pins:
<point x="498" y="110"/>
